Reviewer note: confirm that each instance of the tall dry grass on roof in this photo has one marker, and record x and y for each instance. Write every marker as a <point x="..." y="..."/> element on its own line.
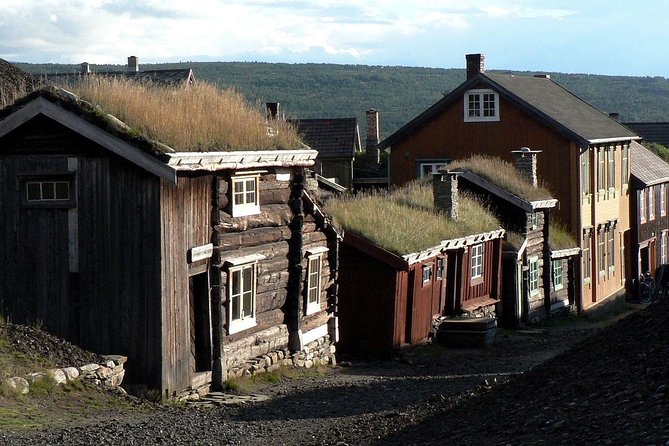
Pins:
<point x="404" y="221"/>
<point x="198" y="118"/>
<point x="503" y="174"/>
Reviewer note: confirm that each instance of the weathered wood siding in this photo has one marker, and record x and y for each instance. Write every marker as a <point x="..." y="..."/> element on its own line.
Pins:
<point x="109" y="301"/>
<point x="489" y="285"/>
<point x="369" y="319"/>
<point x="185" y="223"/>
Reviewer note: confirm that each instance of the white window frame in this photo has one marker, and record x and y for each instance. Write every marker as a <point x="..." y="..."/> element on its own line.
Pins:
<point x="241" y="204"/>
<point x="314" y="282"/>
<point x="533" y="282"/>
<point x="245" y="321"/>
<point x="601" y="170"/>
<point x="624" y="168"/>
<point x="433" y="165"/>
<point x="651" y="203"/>
<point x="441" y="265"/>
<point x="586" y="254"/>
<point x="663" y="200"/>
<point x="586" y="186"/>
<point x="611" y="168"/>
<point x="558" y="274"/>
<point x="535" y="220"/>
<point x="427" y="274"/>
<point x="663" y="248"/>
<point x="478" y="256"/>
<point x="642" y="206"/>
<point x="481" y="96"/>
<point x="611" y="248"/>
<point x="601" y="252"/>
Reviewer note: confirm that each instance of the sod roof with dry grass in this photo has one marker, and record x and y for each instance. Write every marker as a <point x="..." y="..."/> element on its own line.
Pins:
<point x="502" y="174"/>
<point x="197" y="118"/>
<point x="405" y="222"/>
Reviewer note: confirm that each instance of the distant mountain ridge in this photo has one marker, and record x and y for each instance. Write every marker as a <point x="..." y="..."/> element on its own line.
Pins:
<point x="398" y="93"/>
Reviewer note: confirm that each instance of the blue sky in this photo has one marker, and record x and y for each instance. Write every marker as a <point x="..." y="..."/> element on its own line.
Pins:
<point x="586" y="36"/>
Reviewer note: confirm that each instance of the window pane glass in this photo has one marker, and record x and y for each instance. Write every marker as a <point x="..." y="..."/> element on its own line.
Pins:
<point x="48" y="191"/>
<point x="235" y="277"/>
<point x="248" y="304"/>
<point x="236" y="308"/>
<point x="34" y="191"/>
<point x="248" y="279"/>
<point x="62" y="190"/>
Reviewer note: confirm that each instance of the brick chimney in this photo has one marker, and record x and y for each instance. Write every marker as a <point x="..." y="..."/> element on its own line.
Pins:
<point x="526" y="163"/>
<point x="445" y="191"/>
<point x="273" y="109"/>
<point x="133" y="64"/>
<point x="475" y="64"/>
<point x="372" y="128"/>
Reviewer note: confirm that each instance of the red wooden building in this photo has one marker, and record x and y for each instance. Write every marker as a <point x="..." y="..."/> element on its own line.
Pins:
<point x="392" y="299"/>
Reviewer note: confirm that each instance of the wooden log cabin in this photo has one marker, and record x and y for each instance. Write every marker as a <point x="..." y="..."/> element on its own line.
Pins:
<point x="197" y="266"/>
<point x="404" y="265"/>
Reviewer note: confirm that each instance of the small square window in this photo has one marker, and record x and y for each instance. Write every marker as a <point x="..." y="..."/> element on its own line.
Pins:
<point x="427" y="274"/>
<point x="245" y="195"/>
<point x="481" y="105"/>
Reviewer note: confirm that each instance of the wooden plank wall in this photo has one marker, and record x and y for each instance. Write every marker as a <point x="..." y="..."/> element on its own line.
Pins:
<point x="112" y="303"/>
<point x="185" y="223"/>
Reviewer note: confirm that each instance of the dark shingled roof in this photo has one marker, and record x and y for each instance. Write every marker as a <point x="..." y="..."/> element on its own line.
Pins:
<point x="167" y="78"/>
<point x="331" y="137"/>
<point x="14" y="83"/>
<point x="657" y="132"/>
<point x="647" y="167"/>
<point x="541" y="97"/>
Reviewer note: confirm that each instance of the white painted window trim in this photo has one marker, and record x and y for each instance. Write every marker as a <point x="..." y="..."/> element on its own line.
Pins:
<point x="476" y="270"/>
<point x="533" y="282"/>
<point x="558" y="274"/>
<point x="245" y="208"/>
<point x="314" y="307"/>
<point x="480" y="94"/>
<point x="246" y="321"/>
<point x="663" y="199"/>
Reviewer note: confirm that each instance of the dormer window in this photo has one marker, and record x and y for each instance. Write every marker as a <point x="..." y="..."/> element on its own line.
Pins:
<point x="245" y="199"/>
<point x="481" y="105"/>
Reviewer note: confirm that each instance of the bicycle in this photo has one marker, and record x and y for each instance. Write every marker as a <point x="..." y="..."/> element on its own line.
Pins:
<point x="646" y="288"/>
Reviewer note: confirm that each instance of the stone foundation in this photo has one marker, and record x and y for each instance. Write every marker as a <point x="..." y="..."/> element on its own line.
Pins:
<point x="109" y="375"/>
<point x="268" y="350"/>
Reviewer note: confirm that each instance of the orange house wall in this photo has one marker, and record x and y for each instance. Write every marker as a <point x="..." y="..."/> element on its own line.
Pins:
<point x="448" y="136"/>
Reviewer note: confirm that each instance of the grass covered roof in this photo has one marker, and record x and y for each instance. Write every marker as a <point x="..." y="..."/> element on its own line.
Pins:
<point x="196" y="118"/>
<point x="502" y="174"/>
<point x="405" y="222"/>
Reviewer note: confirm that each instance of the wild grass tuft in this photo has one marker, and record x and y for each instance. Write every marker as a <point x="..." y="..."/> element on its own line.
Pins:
<point x="405" y="222"/>
<point x="197" y="118"/>
<point x="560" y="238"/>
<point x="502" y="174"/>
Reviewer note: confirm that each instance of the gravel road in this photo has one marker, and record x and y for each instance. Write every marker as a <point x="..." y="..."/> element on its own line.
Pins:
<point x="430" y="395"/>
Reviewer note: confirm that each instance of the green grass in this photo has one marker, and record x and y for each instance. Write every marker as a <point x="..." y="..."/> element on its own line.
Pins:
<point x="405" y="222"/>
<point x="503" y="174"/>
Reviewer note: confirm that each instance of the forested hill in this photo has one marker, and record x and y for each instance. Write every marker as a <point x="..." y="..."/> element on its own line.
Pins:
<point x="399" y="93"/>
